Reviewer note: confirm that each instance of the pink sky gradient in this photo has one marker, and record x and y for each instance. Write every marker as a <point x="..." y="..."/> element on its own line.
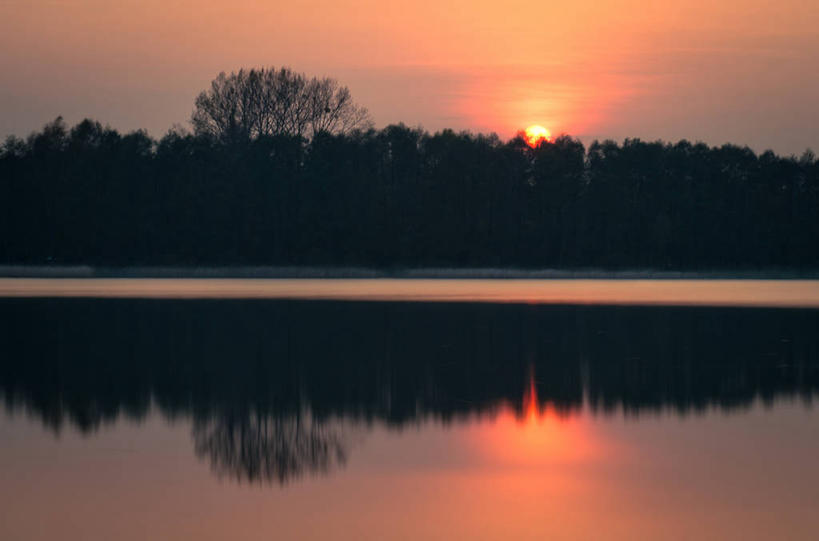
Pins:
<point x="744" y="72"/>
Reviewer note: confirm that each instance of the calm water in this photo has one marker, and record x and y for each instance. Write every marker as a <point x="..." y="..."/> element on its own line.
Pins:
<point x="270" y="418"/>
<point x="760" y="293"/>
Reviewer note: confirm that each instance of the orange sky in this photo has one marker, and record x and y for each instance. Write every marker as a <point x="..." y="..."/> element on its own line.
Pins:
<point x="741" y="71"/>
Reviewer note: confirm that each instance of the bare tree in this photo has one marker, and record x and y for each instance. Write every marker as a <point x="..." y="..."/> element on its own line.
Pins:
<point x="260" y="102"/>
<point x="225" y="110"/>
<point x="332" y="108"/>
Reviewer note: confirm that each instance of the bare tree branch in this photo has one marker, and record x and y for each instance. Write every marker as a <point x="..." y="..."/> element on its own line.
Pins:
<point x="265" y="102"/>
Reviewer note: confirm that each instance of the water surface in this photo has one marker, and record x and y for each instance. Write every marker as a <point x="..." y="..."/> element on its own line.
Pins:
<point x="785" y="293"/>
<point x="128" y="418"/>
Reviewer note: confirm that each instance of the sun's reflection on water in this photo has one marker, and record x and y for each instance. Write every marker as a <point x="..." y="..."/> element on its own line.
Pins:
<point x="536" y="432"/>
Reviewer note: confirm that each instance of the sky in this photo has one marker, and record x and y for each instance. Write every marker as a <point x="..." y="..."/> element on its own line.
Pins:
<point x="739" y="71"/>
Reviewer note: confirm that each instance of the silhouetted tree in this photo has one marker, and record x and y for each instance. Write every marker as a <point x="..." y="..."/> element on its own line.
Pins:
<point x="266" y="449"/>
<point x="399" y="197"/>
<point x="269" y="102"/>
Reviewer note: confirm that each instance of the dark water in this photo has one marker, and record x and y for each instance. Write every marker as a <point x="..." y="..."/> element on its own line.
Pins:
<point x="265" y="419"/>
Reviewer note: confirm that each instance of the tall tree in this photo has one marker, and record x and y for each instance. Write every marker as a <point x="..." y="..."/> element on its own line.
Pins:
<point x="262" y="102"/>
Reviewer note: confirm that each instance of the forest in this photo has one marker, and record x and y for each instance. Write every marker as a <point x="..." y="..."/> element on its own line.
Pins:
<point x="329" y="192"/>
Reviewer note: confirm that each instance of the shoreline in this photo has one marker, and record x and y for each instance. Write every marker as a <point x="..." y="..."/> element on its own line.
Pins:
<point x="316" y="272"/>
<point x="645" y="292"/>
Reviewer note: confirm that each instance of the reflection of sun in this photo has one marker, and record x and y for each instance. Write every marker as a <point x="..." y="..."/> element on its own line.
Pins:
<point x="535" y="134"/>
<point x="538" y="434"/>
<point x="531" y="408"/>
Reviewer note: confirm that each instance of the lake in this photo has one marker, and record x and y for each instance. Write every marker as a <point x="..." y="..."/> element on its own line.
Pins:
<point x="409" y="409"/>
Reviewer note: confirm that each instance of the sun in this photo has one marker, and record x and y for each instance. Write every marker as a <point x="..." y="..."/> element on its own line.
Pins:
<point x="535" y="134"/>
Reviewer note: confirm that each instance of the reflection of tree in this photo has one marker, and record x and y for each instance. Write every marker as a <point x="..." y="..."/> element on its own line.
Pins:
<point x="263" y="448"/>
<point x="245" y="371"/>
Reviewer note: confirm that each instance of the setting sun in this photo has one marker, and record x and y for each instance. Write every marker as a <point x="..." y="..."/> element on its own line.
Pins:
<point x="535" y="134"/>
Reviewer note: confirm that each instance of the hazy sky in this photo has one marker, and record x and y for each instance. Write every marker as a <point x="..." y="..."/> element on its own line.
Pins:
<point x="740" y="71"/>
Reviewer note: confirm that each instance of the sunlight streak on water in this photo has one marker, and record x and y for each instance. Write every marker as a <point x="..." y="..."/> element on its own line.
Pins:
<point x="759" y="293"/>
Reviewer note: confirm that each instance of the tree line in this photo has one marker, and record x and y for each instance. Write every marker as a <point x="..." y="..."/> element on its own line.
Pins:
<point x="285" y="170"/>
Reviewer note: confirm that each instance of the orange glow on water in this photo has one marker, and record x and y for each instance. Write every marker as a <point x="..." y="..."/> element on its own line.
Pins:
<point x="531" y="407"/>
<point x="537" y="434"/>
